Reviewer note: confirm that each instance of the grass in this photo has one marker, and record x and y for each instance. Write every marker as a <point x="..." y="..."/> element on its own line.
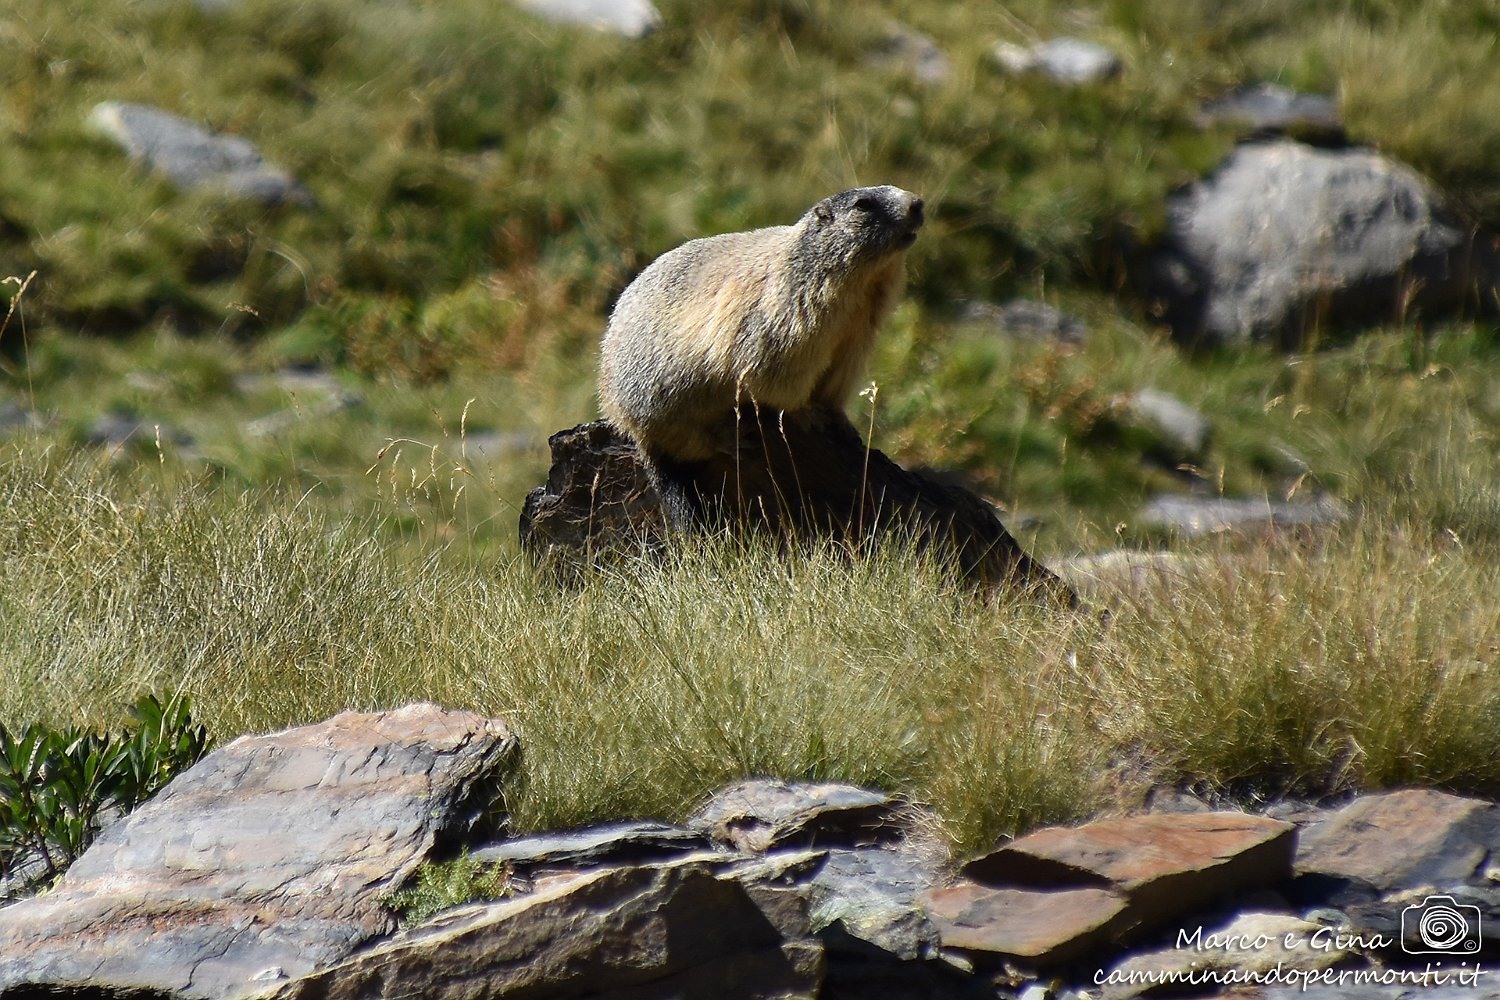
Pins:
<point x="1274" y="669"/>
<point x="486" y="183"/>
<point x="465" y="156"/>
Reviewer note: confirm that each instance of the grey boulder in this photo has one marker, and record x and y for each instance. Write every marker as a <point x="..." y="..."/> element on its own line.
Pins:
<point x="266" y="860"/>
<point x="1182" y="431"/>
<point x="1026" y="319"/>
<point x="192" y="157"/>
<point x="908" y="50"/>
<point x="1284" y="238"/>
<point x="1207" y="515"/>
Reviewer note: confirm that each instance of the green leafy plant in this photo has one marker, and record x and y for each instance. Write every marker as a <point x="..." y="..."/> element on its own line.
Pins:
<point x="56" y="785"/>
<point x="442" y="885"/>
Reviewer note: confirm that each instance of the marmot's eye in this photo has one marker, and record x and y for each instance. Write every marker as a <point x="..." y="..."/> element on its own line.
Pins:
<point x="866" y="204"/>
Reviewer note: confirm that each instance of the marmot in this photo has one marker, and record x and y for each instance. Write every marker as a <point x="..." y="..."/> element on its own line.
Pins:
<point x="782" y="317"/>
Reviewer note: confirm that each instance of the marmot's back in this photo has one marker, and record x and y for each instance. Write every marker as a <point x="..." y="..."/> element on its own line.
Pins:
<point x="782" y="317"/>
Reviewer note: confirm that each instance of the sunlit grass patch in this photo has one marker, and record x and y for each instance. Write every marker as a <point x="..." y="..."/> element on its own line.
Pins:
<point x="1261" y="670"/>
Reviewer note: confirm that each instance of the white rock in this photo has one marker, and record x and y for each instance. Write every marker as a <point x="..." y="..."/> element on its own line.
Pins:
<point x="631" y="18"/>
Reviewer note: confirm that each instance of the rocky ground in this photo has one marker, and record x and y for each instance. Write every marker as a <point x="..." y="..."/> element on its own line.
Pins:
<point x="267" y="870"/>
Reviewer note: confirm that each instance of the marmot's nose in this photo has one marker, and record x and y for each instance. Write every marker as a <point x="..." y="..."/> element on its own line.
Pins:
<point x="914" y="212"/>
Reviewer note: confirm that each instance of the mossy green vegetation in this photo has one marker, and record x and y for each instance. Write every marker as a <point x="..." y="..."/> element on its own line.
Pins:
<point x="444" y="884"/>
<point x="280" y="544"/>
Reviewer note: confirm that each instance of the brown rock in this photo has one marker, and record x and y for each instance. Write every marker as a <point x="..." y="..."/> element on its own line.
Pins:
<point x="671" y="930"/>
<point x="266" y="859"/>
<point x="1164" y="864"/>
<point x="1403" y="840"/>
<point x="1036" y="927"/>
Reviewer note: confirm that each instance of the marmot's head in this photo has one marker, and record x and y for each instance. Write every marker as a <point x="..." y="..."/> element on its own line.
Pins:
<point x="862" y="224"/>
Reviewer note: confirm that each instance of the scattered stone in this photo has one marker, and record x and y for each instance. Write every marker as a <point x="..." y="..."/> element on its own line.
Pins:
<point x="1268" y="108"/>
<point x="298" y="380"/>
<point x="284" y="420"/>
<point x="1387" y="860"/>
<point x="1066" y="60"/>
<point x="907" y="49"/>
<point x="1040" y="928"/>
<point x="1193" y="515"/>
<point x="192" y="157"/>
<point x="271" y="852"/>
<point x="630" y="18"/>
<point x="761" y="814"/>
<point x="316" y="394"/>
<point x="612" y="843"/>
<point x="1251" y="943"/>
<point x="1163" y="865"/>
<point x="1026" y="319"/>
<point x="1283" y="236"/>
<point x="1130" y="575"/>
<point x="1182" y="429"/>
<point x="653" y="931"/>
<point x="1403" y="840"/>
<point x="15" y="418"/>
<point x="874" y="895"/>
<point x="115" y="429"/>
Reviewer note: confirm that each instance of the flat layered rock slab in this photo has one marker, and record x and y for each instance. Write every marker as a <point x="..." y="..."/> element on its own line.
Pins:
<point x="1164" y="864"/>
<point x="610" y="843"/>
<point x="761" y="814"/>
<point x="268" y="858"/>
<point x="672" y="930"/>
<point x="1406" y="839"/>
<point x="876" y="896"/>
<point x="1037" y="927"/>
<point x="1392" y="861"/>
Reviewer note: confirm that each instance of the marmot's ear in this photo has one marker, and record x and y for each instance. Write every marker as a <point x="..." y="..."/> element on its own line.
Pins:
<point x="823" y="211"/>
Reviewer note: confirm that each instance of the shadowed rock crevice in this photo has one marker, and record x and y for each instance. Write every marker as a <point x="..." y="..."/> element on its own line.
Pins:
<point x="800" y="477"/>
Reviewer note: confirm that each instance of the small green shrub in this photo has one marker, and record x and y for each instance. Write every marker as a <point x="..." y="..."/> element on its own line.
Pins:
<point x="443" y="885"/>
<point x="55" y="784"/>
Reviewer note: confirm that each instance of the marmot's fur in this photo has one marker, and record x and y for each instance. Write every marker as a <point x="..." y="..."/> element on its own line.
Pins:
<point x="782" y="317"/>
